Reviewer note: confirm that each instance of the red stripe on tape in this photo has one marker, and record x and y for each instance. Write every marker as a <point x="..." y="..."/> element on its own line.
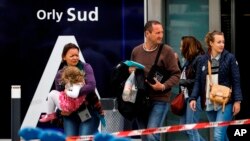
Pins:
<point x="173" y="128"/>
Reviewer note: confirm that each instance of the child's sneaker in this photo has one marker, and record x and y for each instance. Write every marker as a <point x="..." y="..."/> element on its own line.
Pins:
<point x="47" y="117"/>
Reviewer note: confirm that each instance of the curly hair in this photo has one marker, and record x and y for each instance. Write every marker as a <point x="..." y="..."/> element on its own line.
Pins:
<point x="71" y="74"/>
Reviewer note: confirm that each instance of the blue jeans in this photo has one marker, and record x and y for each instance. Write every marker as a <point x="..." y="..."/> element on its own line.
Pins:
<point x="156" y="118"/>
<point x="73" y="126"/>
<point x="190" y="117"/>
<point x="220" y="133"/>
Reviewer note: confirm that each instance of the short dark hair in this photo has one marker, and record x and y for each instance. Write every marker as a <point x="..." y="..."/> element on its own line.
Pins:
<point x="149" y="24"/>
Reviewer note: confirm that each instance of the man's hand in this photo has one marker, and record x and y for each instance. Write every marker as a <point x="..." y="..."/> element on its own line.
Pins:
<point x="131" y="69"/>
<point x="157" y="86"/>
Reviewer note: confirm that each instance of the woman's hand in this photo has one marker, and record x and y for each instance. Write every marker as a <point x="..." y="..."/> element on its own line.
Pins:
<point x="64" y="113"/>
<point x="192" y="105"/>
<point x="236" y="108"/>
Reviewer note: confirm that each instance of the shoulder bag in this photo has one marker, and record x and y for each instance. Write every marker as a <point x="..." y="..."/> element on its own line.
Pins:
<point x="158" y="72"/>
<point x="178" y="105"/>
<point x="219" y="94"/>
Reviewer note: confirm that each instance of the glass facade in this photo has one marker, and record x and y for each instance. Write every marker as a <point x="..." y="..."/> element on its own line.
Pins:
<point x="184" y="17"/>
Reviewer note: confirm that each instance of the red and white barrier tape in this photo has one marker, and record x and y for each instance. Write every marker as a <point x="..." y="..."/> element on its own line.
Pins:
<point x="165" y="129"/>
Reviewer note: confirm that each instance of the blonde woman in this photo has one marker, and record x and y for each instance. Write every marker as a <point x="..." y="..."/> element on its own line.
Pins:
<point x="225" y="68"/>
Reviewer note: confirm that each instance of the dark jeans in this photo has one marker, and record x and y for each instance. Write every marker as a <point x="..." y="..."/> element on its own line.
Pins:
<point x="73" y="126"/>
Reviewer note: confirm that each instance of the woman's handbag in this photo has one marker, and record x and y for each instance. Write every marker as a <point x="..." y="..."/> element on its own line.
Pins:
<point x="178" y="104"/>
<point x="157" y="72"/>
<point x="219" y="94"/>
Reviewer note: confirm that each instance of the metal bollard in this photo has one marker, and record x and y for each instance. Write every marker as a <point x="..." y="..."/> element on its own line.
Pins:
<point x="15" y="111"/>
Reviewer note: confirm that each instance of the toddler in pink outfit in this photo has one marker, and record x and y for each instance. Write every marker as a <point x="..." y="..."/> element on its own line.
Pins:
<point x="67" y="100"/>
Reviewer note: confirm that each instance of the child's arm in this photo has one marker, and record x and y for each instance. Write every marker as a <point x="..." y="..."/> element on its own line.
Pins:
<point x="72" y="90"/>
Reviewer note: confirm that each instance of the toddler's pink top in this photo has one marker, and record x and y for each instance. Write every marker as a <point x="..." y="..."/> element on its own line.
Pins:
<point x="69" y="104"/>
